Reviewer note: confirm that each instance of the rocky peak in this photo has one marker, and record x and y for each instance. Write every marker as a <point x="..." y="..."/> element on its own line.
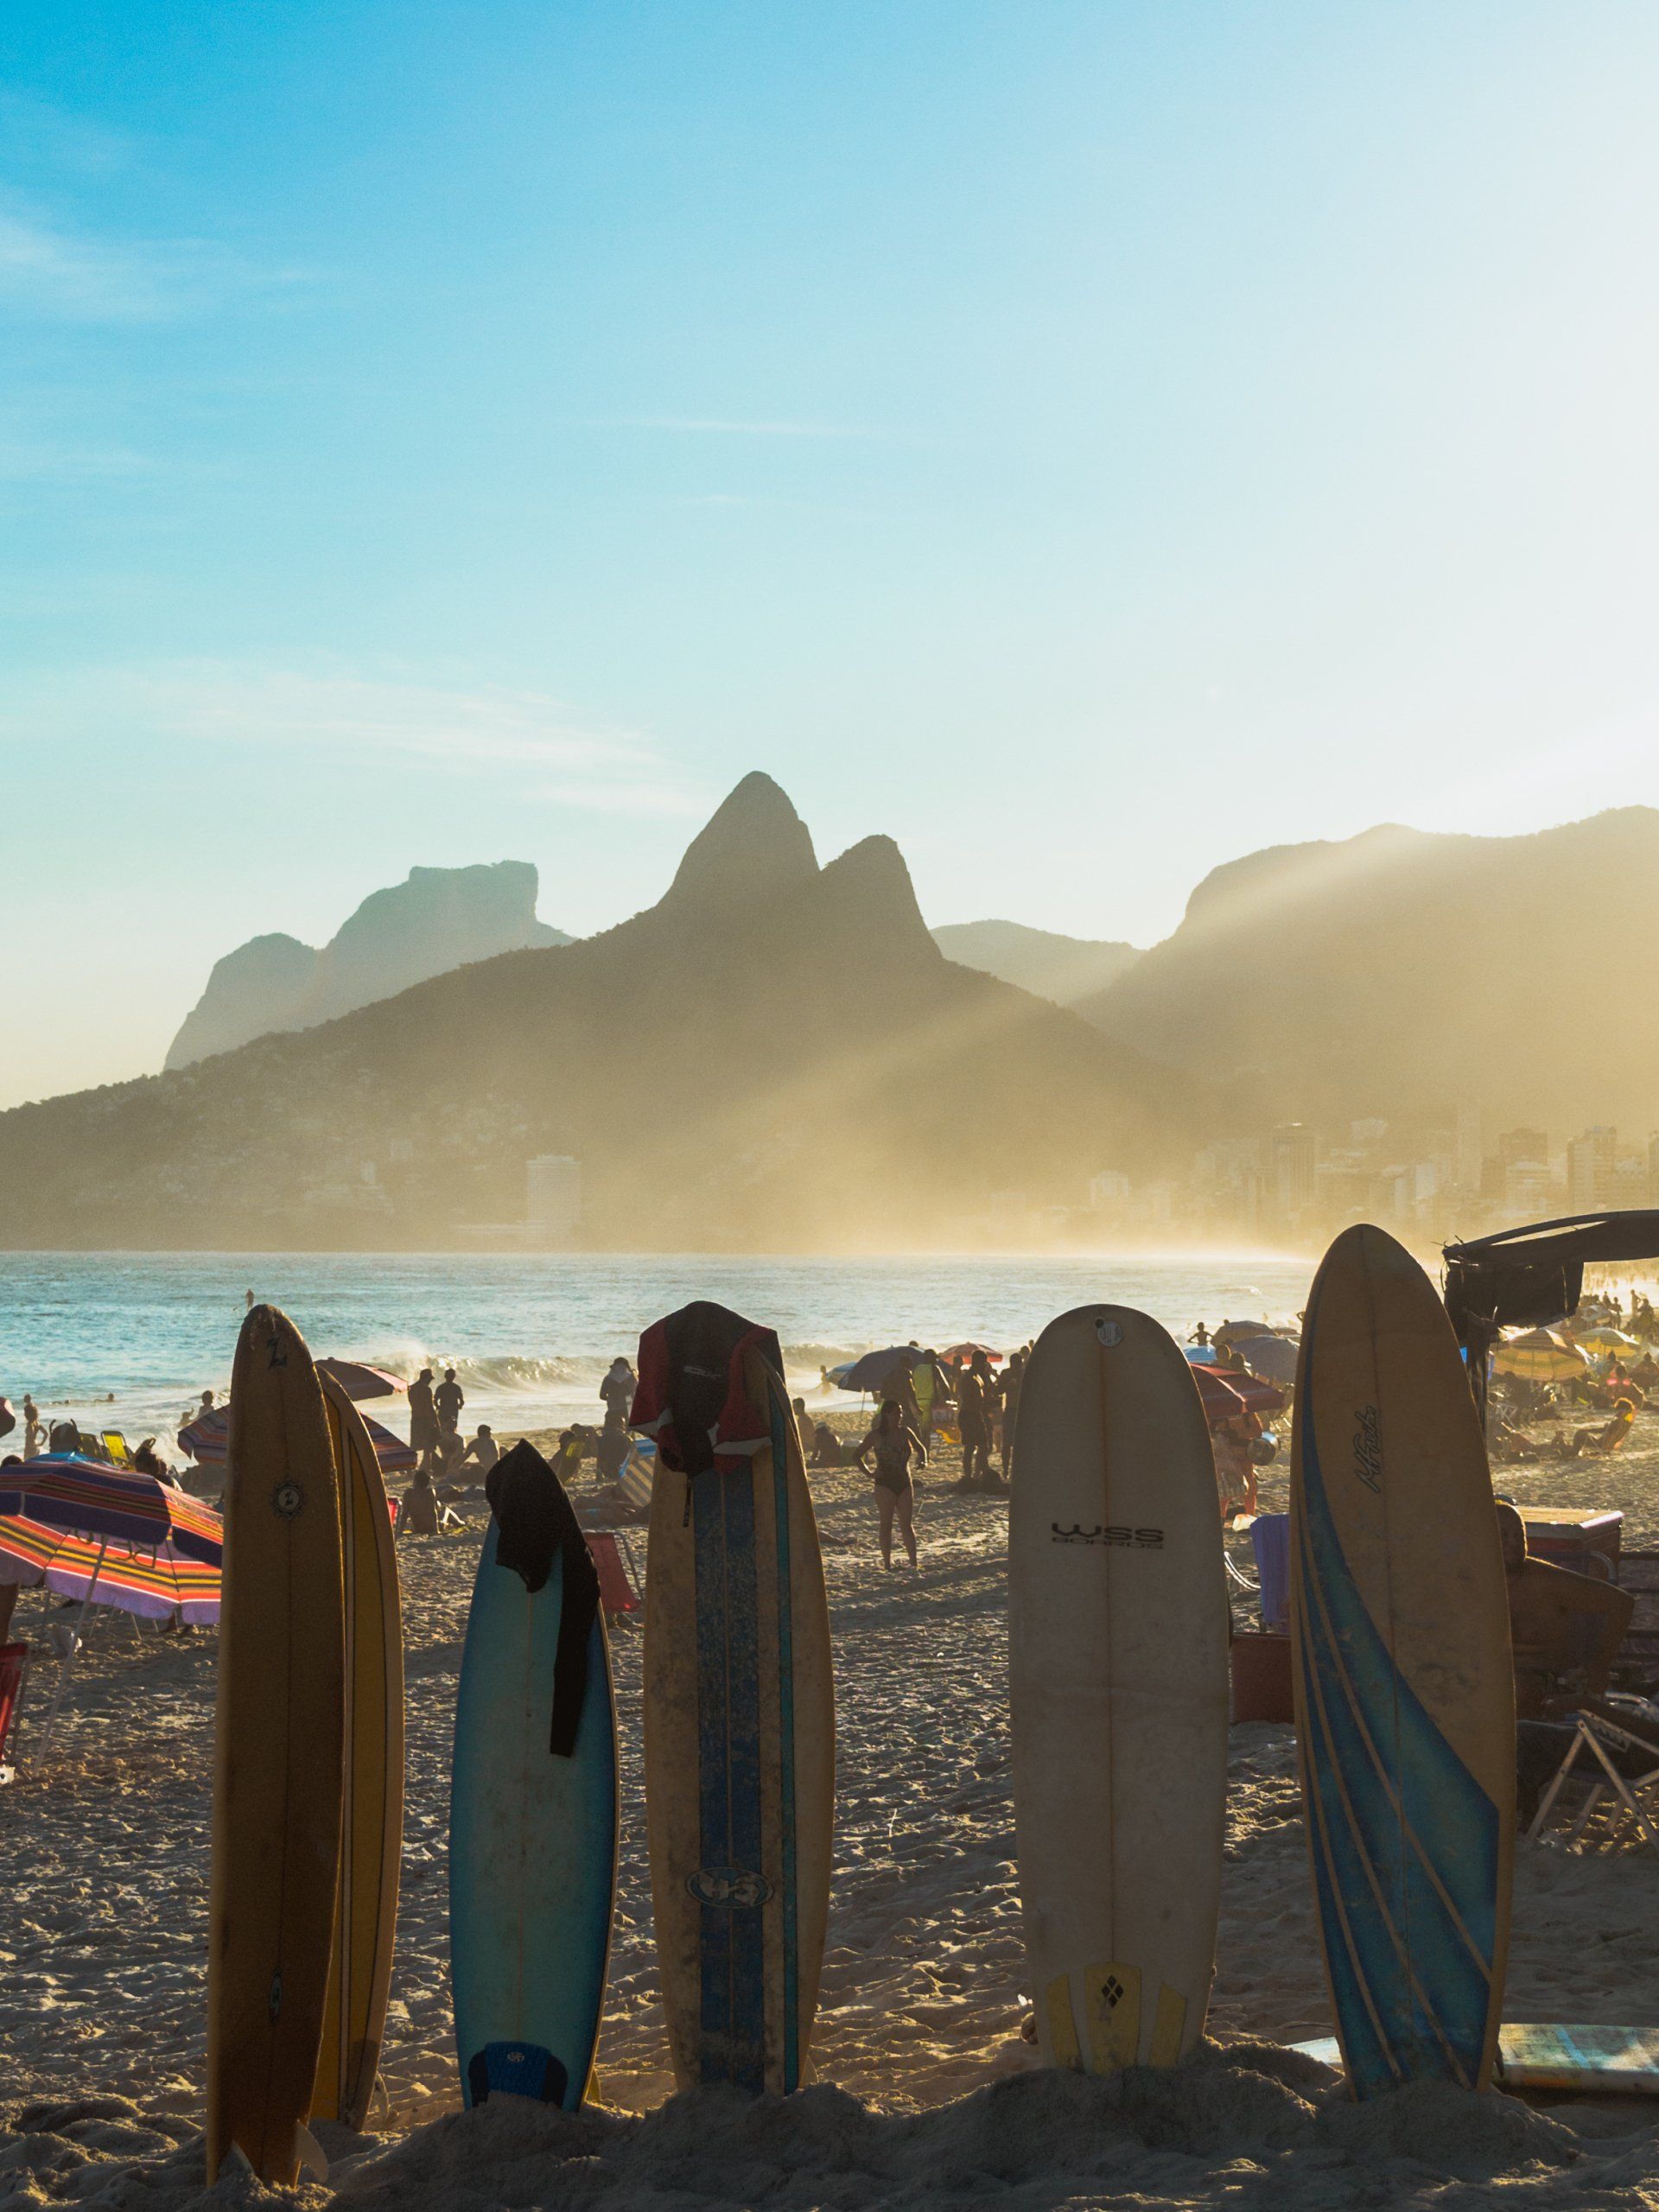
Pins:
<point x="754" y="845"/>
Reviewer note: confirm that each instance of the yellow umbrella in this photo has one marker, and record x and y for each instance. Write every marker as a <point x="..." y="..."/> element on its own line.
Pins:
<point x="1604" y="1337"/>
<point x="1540" y="1356"/>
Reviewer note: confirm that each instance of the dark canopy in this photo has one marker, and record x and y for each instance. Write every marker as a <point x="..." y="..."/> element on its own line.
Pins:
<point x="1527" y="1278"/>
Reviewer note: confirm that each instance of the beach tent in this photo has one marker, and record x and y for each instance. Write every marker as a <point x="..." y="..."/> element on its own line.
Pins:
<point x="1529" y="1277"/>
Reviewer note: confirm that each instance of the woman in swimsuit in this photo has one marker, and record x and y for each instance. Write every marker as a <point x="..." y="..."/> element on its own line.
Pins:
<point x="892" y="1440"/>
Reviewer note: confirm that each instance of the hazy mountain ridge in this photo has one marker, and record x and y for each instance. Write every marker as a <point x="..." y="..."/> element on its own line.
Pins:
<point x="775" y="1055"/>
<point x="1050" y="966"/>
<point x="1406" y="972"/>
<point x="438" y="918"/>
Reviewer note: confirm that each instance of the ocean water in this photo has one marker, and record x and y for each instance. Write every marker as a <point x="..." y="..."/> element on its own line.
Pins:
<point x="119" y="1340"/>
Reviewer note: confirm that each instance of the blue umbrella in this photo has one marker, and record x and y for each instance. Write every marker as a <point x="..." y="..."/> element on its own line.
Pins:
<point x="876" y="1370"/>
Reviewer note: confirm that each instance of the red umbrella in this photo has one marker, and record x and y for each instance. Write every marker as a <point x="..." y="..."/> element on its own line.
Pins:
<point x="967" y="1351"/>
<point x="1225" y="1392"/>
<point x="207" y="1440"/>
<point x="359" y="1382"/>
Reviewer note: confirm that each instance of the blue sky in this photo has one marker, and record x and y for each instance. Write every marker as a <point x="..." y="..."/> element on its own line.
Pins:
<point x="1087" y="442"/>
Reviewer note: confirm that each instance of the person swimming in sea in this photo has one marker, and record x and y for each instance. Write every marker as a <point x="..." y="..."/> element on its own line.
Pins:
<point x="892" y="1441"/>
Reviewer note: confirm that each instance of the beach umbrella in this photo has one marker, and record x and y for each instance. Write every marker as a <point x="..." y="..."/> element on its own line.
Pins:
<point x="207" y="1440"/>
<point x="1273" y="1359"/>
<point x="110" y="1510"/>
<point x="1224" y="1393"/>
<point x="1604" y="1339"/>
<point x="1539" y="1356"/>
<point x="119" y="1503"/>
<point x="967" y="1351"/>
<point x="359" y="1382"/>
<point x="154" y="1585"/>
<point x="876" y="1370"/>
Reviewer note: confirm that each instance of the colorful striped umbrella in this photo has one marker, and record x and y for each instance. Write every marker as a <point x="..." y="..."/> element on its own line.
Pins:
<point x="84" y="1499"/>
<point x="152" y="1584"/>
<point x="207" y="1440"/>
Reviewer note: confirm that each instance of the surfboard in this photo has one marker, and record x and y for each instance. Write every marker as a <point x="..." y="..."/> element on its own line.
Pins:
<point x="1117" y="1628"/>
<point x="533" y="1803"/>
<point x="278" y="1770"/>
<point x="1405" y="1700"/>
<point x="1545" y="2055"/>
<point x="739" y="1730"/>
<point x="366" y="1919"/>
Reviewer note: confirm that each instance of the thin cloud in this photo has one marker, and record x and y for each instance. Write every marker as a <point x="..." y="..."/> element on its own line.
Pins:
<point x="717" y="426"/>
<point x="409" y="724"/>
<point x="55" y="274"/>
<point x="24" y="462"/>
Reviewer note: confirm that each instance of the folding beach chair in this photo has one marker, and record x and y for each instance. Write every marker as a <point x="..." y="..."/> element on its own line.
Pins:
<point x="116" y="1445"/>
<point x="1615" y="1749"/>
<point x="14" y="1663"/>
<point x="617" y="1593"/>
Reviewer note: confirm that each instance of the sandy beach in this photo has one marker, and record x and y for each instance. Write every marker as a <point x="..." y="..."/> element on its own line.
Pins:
<point x="926" y="2093"/>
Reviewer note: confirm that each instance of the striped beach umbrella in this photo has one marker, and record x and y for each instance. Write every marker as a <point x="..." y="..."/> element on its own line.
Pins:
<point x="81" y="1497"/>
<point x="154" y="1585"/>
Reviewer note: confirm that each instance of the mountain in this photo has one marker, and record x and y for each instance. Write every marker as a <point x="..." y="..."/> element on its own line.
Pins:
<point x="775" y="1057"/>
<point x="1404" y="974"/>
<point x="440" y="918"/>
<point x="1063" y="968"/>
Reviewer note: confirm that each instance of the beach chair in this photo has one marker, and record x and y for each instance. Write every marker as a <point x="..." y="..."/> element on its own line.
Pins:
<point x="1610" y="1731"/>
<point x="636" y="1474"/>
<point x="618" y="1594"/>
<point x="116" y="1445"/>
<point x="14" y="1663"/>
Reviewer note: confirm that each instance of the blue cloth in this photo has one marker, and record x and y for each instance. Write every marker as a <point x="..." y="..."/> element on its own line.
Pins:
<point x="1270" y="1539"/>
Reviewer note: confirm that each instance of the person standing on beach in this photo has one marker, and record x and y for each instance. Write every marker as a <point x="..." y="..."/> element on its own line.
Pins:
<point x="422" y="1415"/>
<point x="33" y="1433"/>
<point x="892" y="1441"/>
<point x="924" y="1384"/>
<point x="1012" y="1376"/>
<point x="448" y="1400"/>
<point x="617" y="1389"/>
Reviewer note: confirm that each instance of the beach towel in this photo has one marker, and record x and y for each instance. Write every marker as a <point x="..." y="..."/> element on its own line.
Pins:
<point x="693" y="1401"/>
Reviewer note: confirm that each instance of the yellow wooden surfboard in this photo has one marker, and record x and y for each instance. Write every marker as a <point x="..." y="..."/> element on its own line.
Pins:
<point x="277" y="1780"/>
<point x="366" y="1919"/>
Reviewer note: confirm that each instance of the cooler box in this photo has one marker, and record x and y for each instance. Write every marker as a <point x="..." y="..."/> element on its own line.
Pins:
<point x="1261" y="1682"/>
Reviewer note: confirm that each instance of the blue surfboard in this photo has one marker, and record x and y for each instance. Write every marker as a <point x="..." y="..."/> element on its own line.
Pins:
<point x="533" y="1811"/>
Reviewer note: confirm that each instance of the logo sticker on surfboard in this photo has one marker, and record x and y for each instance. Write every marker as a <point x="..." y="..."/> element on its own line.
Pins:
<point x="1110" y="1333"/>
<point x="730" y="1889"/>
